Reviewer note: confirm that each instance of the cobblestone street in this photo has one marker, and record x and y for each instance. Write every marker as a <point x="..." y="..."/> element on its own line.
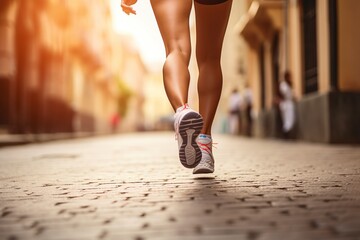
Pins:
<point x="132" y="186"/>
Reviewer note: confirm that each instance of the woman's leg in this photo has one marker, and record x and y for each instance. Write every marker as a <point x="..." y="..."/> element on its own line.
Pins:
<point x="211" y="23"/>
<point x="172" y="17"/>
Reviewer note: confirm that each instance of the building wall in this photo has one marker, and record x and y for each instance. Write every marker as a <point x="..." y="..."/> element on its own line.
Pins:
<point x="134" y="74"/>
<point x="233" y="64"/>
<point x="7" y="60"/>
<point x="348" y="45"/>
<point x="323" y="42"/>
<point x="295" y="47"/>
<point x="60" y="66"/>
<point x="328" y="114"/>
<point x="158" y="113"/>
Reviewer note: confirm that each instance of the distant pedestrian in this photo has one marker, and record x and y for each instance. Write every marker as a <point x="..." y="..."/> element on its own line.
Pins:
<point x="114" y="122"/>
<point x="248" y="104"/>
<point x="192" y="128"/>
<point x="286" y="105"/>
<point x="235" y="104"/>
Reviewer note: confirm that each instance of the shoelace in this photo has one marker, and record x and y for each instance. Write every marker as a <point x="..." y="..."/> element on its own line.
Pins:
<point x="207" y="147"/>
<point x="186" y="106"/>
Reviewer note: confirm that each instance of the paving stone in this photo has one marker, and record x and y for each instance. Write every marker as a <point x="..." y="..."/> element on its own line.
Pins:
<point x="132" y="186"/>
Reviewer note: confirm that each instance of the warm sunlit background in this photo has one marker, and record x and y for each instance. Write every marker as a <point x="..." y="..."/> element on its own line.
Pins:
<point x="143" y="28"/>
<point x="84" y="66"/>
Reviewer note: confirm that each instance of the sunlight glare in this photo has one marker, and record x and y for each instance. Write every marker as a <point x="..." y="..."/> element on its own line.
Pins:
<point x="143" y="28"/>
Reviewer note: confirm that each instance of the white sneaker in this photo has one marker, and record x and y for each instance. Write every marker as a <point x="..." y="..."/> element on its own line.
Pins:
<point x="188" y="125"/>
<point x="206" y="164"/>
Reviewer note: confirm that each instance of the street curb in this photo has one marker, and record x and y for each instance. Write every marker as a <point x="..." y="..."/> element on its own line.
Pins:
<point x="7" y="140"/>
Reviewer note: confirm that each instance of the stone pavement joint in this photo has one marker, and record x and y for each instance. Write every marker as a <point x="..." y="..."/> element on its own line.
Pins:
<point x="132" y="186"/>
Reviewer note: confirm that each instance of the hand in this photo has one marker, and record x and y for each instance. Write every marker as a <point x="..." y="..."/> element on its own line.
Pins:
<point x="126" y="6"/>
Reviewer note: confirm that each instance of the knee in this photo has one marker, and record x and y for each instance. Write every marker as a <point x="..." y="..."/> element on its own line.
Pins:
<point x="208" y="59"/>
<point x="177" y="49"/>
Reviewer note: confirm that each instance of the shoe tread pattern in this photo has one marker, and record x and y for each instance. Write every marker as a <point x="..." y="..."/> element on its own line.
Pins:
<point x="190" y="153"/>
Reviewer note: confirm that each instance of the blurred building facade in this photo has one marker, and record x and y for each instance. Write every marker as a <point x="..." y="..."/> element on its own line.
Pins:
<point x="134" y="75"/>
<point x="316" y="42"/>
<point x="61" y="66"/>
<point x="146" y="103"/>
<point x="157" y="109"/>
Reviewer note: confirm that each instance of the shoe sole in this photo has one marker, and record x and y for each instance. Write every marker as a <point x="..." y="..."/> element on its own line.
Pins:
<point x="203" y="170"/>
<point x="189" y="128"/>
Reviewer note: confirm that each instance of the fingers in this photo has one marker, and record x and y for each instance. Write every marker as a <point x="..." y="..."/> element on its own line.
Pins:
<point x="128" y="9"/>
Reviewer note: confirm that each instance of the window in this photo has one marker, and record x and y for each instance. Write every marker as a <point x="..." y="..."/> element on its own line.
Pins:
<point x="310" y="47"/>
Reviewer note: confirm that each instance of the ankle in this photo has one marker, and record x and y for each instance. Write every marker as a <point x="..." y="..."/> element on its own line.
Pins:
<point x="182" y="107"/>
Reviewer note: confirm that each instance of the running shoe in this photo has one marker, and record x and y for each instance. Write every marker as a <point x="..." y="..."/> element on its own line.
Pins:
<point x="188" y="125"/>
<point x="206" y="164"/>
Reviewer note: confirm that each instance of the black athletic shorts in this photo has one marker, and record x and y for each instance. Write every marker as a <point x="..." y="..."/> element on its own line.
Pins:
<point x="210" y="2"/>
